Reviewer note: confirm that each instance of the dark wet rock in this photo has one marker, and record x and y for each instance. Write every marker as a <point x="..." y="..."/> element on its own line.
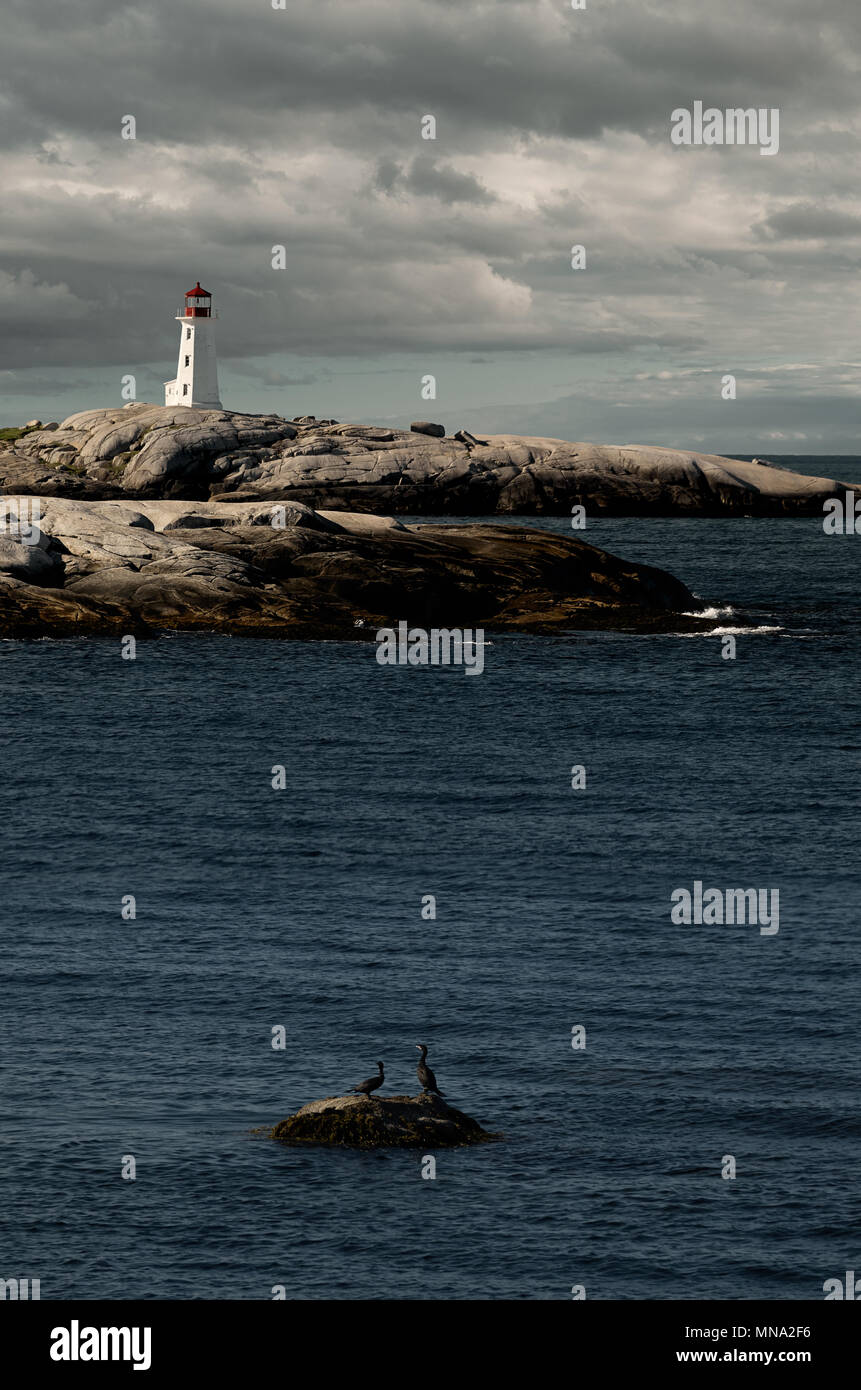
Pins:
<point x="35" y="564"/>
<point x="31" y="611"/>
<point x="374" y="1122"/>
<point x="464" y="437"/>
<point x="191" y="520"/>
<point x="218" y="566"/>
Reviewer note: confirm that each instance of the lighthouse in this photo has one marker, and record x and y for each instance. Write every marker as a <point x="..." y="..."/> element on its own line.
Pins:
<point x="196" y="380"/>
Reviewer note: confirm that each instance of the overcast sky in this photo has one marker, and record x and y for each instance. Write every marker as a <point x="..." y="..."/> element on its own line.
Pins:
<point x="452" y="257"/>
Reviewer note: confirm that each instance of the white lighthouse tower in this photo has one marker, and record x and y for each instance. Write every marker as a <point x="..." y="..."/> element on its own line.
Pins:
<point x="196" y="380"/>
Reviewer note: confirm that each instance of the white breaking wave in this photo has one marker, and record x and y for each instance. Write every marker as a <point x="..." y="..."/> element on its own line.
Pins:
<point x="732" y="631"/>
<point x="725" y="612"/>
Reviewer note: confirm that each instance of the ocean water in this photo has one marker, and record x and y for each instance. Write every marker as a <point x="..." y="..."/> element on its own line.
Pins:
<point x="257" y="908"/>
<point x="844" y="467"/>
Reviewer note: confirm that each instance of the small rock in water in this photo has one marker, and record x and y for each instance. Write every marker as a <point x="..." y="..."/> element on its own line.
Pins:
<point x="377" y="1122"/>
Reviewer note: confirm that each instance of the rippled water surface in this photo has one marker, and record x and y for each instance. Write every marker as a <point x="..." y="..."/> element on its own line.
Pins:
<point x="301" y="907"/>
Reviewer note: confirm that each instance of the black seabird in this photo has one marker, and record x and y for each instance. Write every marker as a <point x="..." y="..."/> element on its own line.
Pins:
<point x="424" y="1073"/>
<point x="366" y="1087"/>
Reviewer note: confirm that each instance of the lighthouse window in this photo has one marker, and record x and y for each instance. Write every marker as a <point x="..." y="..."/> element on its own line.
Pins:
<point x="185" y="390"/>
<point x="188" y="333"/>
<point x="187" y="359"/>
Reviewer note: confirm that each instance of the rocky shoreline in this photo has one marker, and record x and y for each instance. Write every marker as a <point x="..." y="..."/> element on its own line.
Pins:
<point x="146" y="451"/>
<point x="284" y="570"/>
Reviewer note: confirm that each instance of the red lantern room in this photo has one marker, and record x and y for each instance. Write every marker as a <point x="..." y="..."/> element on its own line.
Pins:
<point x="198" y="303"/>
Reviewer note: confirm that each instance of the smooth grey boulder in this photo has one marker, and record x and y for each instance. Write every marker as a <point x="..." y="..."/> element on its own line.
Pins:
<point x="427" y="427"/>
<point x="31" y="563"/>
<point x="146" y="448"/>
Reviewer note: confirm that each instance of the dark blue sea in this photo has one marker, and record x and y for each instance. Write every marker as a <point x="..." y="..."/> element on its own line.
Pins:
<point x="302" y="907"/>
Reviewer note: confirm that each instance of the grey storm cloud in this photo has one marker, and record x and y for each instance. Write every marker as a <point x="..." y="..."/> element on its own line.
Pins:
<point x="807" y="220"/>
<point x="258" y="127"/>
<point x="426" y="178"/>
<point x="216" y="69"/>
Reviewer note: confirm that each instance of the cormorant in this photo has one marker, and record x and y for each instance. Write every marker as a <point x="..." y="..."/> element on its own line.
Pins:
<point x="366" y="1087"/>
<point x="424" y="1073"/>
